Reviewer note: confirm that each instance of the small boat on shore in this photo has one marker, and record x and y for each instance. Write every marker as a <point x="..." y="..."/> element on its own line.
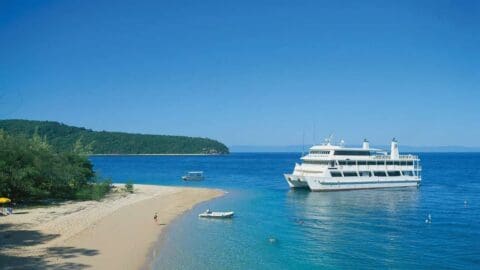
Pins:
<point x="193" y="176"/>
<point x="210" y="214"/>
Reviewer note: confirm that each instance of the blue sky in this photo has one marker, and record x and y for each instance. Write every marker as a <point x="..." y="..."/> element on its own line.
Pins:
<point x="247" y="72"/>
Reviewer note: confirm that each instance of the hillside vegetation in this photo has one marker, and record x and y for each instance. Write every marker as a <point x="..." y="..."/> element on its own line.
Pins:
<point x="64" y="138"/>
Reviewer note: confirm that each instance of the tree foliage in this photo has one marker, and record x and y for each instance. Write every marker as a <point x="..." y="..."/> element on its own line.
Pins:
<point x="30" y="169"/>
<point x="64" y="138"/>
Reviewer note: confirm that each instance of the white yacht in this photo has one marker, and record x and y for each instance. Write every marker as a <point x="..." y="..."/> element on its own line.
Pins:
<point x="335" y="167"/>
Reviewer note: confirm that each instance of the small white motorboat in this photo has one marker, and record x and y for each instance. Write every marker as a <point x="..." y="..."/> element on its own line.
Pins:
<point x="193" y="176"/>
<point x="210" y="214"/>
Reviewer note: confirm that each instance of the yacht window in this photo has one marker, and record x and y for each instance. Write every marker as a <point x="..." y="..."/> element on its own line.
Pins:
<point x="409" y="163"/>
<point x="342" y="162"/>
<point x="407" y="173"/>
<point x="352" y="153"/>
<point x="389" y="162"/>
<point x="371" y="163"/>
<point x="348" y="174"/>
<point x="336" y="174"/>
<point x="381" y="162"/>
<point x="379" y="173"/>
<point x="396" y="163"/>
<point x="365" y="173"/>
<point x="319" y="152"/>
<point x="393" y="173"/>
<point x="351" y="162"/>
<point x="321" y="162"/>
<point x="362" y="162"/>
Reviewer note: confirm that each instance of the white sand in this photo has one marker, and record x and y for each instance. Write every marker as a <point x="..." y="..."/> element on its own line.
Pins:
<point x="115" y="233"/>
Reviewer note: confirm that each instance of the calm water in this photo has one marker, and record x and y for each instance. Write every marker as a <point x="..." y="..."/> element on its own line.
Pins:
<point x="276" y="228"/>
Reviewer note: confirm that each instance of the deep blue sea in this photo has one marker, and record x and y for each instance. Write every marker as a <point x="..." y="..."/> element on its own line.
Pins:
<point x="278" y="228"/>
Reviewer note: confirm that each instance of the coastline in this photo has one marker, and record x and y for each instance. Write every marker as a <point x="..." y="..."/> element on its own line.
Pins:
<point x="115" y="233"/>
<point x="159" y="243"/>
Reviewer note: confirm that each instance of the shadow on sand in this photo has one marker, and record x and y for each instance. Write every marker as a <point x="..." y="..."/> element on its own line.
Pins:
<point x="12" y="238"/>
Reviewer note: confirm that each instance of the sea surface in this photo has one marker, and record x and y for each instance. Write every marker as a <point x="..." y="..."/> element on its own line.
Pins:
<point x="278" y="228"/>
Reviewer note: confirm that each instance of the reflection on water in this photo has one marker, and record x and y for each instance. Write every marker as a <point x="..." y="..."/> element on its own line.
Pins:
<point x="327" y="210"/>
<point x="339" y="223"/>
<point x="321" y="203"/>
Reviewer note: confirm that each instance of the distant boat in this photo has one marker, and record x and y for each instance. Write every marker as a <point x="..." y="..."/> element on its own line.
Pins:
<point x="210" y="214"/>
<point x="193" y="176"/>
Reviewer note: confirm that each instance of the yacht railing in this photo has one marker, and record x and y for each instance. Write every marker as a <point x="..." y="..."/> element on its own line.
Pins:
<point x="401" y="157"/>
<point x="317" y="155"/>
<point x="381" y="157"/>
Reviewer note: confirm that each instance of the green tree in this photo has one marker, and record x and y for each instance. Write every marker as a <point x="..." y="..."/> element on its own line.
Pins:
<point x="31" y="170"/>
<point x="82" y="149"/>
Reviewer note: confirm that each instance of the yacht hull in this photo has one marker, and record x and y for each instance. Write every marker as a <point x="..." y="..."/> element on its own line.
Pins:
<point x="295" y="181"/>
<point x="330" y="184"/>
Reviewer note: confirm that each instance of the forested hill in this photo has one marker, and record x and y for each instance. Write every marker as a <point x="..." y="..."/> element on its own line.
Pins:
<point x="65" y="138"/>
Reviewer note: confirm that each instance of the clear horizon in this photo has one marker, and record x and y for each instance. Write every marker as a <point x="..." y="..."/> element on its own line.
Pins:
<point x="250" y="73"/>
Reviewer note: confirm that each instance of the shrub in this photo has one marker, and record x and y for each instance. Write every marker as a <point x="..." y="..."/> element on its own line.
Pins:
<point x="129" y="187"/>
<point x="95" y="191"/>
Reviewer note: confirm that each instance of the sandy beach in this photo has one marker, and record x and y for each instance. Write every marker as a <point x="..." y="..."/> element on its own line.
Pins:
<point x="115" y="233"/>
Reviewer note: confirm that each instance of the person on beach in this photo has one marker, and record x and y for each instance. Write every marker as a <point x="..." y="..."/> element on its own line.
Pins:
<point x="155" y="217"/>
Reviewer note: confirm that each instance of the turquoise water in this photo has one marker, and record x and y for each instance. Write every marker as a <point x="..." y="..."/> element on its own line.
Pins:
<point x="276" y="228"/>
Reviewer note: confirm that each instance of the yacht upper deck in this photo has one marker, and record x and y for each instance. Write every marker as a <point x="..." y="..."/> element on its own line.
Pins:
<point x="328" y="151"/>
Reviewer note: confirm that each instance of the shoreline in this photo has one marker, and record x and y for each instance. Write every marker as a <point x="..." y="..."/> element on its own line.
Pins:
<point x="158" y="245"/>
<point x="116" y="232"/>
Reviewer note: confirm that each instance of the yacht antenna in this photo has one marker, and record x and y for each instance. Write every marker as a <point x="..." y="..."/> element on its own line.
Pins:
<point x="303" y="143"/>
<point x="329" y="139"/>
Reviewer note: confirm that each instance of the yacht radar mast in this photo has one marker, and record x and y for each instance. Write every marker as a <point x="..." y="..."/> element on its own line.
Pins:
<point x="328" y="140"/>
